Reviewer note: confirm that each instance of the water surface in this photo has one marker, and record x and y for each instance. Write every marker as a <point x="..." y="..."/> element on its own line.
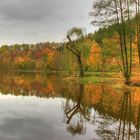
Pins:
<point x="38" y="107"/>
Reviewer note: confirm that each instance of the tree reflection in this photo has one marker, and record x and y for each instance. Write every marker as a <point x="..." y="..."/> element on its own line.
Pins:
<point x="129" y="127"/>
<point x="30" y="84"/>
<point x="76" y="112"/>
<point x="125" y="123"/>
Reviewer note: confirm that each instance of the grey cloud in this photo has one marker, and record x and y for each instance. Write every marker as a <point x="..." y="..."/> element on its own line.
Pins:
<point x="34" y="9"/>
<point x="31" y="21"/>
<point x="31" y="10"/>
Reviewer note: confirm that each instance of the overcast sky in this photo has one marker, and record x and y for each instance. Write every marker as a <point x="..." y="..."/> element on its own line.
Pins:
<point x="31" y="21"/>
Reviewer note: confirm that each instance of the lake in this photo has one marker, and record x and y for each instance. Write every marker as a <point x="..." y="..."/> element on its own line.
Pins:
<point x="38" y="107"/>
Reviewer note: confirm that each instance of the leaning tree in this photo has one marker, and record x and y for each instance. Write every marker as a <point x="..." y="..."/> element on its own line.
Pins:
<point x="77" y="39"/>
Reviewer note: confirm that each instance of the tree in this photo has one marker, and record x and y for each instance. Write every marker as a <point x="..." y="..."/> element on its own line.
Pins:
<point x="119" y="14"/>
<point x="137" y="5"/>
<point x="75" y="46"/>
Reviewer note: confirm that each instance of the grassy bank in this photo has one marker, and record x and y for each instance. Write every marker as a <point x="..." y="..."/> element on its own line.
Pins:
<point x="97" y="77"/>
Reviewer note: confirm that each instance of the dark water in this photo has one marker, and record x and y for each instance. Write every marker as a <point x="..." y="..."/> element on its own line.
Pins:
<point x="36" y="107"/>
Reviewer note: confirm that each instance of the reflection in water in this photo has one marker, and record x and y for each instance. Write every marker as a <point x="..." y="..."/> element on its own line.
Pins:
<point x="138" y="125"/>
<point x="127" y="128"/>
<point x="76" y="109"/>
<point x="125" y="117"/>
<point x="91" y="111"/>
<point x="122" y="127"/>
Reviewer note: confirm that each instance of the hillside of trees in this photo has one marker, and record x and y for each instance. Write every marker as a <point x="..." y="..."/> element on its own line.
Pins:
<point x="38" y="57"/>
<point x="49" y="56"/>
<point x="99" y="54"/>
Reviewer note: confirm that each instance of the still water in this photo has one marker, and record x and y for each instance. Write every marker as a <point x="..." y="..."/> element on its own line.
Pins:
<point x="36" y="107"/>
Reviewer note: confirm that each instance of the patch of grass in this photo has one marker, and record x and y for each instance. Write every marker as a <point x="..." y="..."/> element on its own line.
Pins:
<point x="100" y="74"/>
<point x="97" y="80"/>
<point x="70" y="79"/>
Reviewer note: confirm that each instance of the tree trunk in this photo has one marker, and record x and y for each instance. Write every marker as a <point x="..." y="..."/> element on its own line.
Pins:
<point x="127" y="80"/>
<point x="81" y="69"/>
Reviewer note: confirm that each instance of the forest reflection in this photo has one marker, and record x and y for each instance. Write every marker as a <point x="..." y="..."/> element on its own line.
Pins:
<point x="123" y="126"/>
<point x="114" y="112"/>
